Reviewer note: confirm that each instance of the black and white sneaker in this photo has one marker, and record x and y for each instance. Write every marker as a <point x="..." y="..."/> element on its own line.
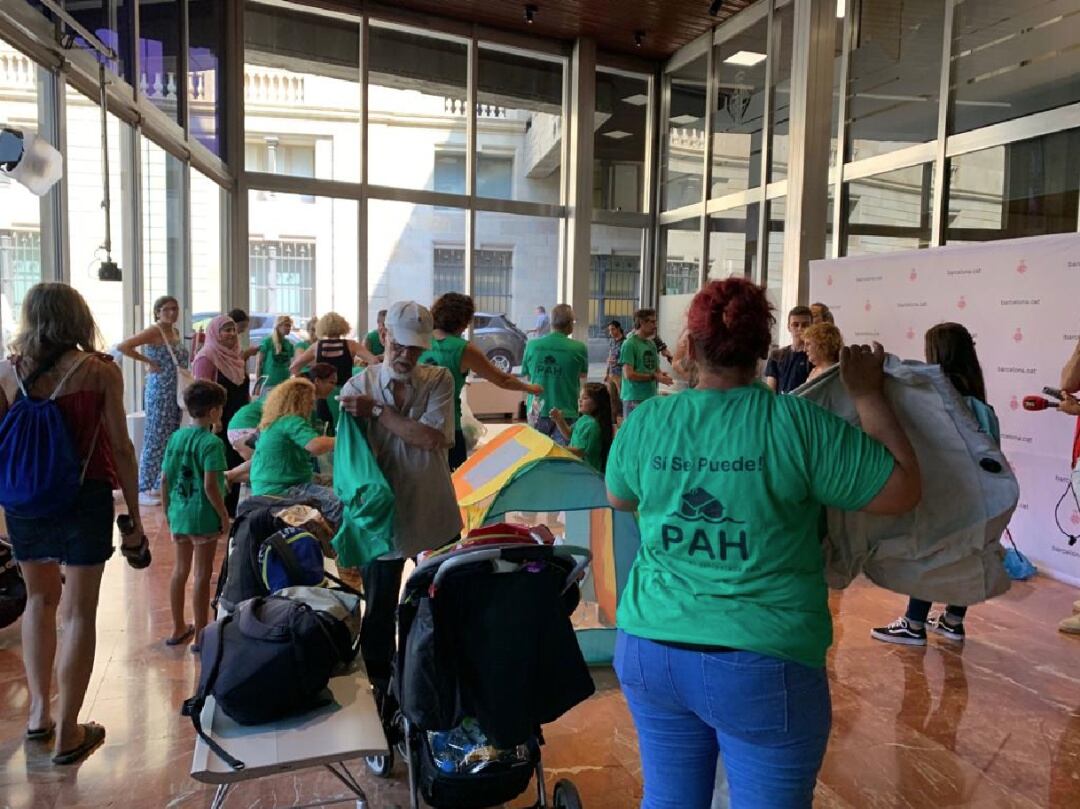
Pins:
<point x="946" y="628"/>
<point x="900" y="631"/>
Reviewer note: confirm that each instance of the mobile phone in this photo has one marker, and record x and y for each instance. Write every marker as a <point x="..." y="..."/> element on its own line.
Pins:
<point x="1055" y="392"/>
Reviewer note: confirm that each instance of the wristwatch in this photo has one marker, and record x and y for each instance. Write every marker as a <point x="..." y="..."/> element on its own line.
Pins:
<point x="376" y="410"/>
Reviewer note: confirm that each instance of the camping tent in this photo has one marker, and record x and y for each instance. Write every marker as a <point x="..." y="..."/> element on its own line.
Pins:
<point x="522" y="472"/>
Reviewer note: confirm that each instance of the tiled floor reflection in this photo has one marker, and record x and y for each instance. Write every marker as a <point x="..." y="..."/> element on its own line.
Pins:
<point x="996" y="724"/>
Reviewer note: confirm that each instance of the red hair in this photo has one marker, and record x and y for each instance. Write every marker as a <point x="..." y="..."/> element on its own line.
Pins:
<point x="730" y="322"/>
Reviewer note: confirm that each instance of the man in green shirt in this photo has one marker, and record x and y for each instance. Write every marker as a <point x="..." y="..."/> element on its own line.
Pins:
<point x="558" y="364"/>
<point x="640" y="362"/>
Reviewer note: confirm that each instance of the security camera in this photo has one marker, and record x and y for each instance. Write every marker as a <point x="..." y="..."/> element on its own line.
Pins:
<point x="108" y="271"/>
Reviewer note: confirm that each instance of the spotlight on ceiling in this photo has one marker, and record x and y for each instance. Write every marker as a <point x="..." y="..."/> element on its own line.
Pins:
<point x="530" y="14"/>
<point x="639" y="38"/>
<point x="714" y="8"/>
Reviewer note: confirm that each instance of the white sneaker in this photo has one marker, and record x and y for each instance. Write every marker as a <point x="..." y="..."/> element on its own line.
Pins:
<point x="148" y="499"/>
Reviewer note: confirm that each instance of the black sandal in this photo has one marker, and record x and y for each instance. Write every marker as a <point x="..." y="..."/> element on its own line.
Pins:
<point x="138" y="556"/>
<point x="93" y="737"/>
<point x="41" y="734"/>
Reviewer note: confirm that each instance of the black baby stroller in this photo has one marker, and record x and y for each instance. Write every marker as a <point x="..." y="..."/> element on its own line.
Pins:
<point x="486" y="655"/>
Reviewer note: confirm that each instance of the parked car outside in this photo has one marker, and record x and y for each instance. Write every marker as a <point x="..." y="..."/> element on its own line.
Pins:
<point x="502" y="342"/>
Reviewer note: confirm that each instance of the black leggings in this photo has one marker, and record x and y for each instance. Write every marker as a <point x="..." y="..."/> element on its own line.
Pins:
<point x="459" y="453"/>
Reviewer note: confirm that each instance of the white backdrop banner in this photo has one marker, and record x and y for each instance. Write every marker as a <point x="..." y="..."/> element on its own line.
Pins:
<point x="1019" y="299"/>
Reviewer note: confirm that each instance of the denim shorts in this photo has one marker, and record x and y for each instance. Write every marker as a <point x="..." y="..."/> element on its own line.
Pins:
<point x="81" y="537"/>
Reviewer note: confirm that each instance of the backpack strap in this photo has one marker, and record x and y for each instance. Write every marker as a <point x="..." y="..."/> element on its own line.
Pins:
<point x="74" y="367"/>
<point x="193" y="707"/>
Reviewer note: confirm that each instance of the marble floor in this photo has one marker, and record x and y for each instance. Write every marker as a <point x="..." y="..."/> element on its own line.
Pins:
<point x="993" y="724"/>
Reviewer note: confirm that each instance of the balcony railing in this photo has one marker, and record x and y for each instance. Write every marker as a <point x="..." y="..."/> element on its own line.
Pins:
<point x="271" y="87"/>
<point x="16" y="70"/>
<point x="459" y="106"/>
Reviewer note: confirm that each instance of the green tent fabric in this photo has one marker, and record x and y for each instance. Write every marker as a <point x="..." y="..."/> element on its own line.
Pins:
<point x="367" y="524"/>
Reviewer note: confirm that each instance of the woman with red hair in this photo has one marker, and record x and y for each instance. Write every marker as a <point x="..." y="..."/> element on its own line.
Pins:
<point x="724" y="622"/>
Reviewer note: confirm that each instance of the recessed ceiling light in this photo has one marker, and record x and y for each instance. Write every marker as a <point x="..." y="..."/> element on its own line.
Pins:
<point x="638" y="100"/>
<point x="745" y="58"/>
<point x="683" y="120"/>
<point x="618" y="134"/>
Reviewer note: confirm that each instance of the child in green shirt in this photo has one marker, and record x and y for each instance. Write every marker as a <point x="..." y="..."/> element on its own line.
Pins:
<point x="193" y="499"/>
<point x="591" y="435"/>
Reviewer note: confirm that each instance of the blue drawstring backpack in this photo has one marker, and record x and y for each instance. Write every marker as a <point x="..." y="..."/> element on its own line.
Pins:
<point x="1017" y="565"/>
<point x="40" y="473"/>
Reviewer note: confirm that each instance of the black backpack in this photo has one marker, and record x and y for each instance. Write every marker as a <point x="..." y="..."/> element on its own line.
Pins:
<point x="12" y="587"/>
<point x="269" y="660"/>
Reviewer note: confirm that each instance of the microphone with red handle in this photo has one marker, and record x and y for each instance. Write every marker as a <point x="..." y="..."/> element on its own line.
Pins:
<point x="1034" y="403"/>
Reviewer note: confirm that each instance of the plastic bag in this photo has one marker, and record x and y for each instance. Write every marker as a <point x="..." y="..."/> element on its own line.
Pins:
<point x="466" y="749"/>
<point x="470" y="425"/>
<point x="367" y="521"/>
<point x="1018" y="566"/>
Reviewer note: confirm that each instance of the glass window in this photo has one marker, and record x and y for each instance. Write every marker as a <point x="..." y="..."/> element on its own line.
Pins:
<point x="520" y="116"/>
<point x="1012" y="60"/>
<point x="1028" y="188"/>
<point x="159" y="54"/>
<point x="282" y="277"/>
<point x="206" y="73"/>
<point x="162" y="225"/>
<point x="680" y="254"/>
<point x="895" y="75"/>
<point x="208" y="202"/>
<point x="531" y="245"/>
<point x="889" y="211"/>
<point x="740" y="110"/>
<point x="82" y="165"/>
<point x="494" y="175"/>
<point x="415" y="252"/>
<point x="494" y="274"/>
<point x="622" y="110"/>
<point x="615" y="278"/>
<point x="20" y="211"/>
<point x="416" y="94"/>
<point x="774" y="256"/>
<point x="733" y="238"/>
<point x="310" y="110"/>
<point x="302" y="256"/>
<point x="110" y="22"/>
<point x="783" y="25"/>
<point x="684" y="148"/>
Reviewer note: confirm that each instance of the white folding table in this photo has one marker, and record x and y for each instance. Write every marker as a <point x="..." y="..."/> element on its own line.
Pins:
<point x="348" y="728"/>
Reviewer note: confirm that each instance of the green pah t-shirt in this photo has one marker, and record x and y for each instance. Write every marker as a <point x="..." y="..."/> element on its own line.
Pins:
<point x="586" y="436"/>
<point x="281" y="459"/>
<point x="447" y="353"/>
<point x="641" y="355"/>
<point x="556" y="363"/>
<point x="247" y="417"/>
<point x="375" y="345"/>
<point x="189" y="455"/>
<point x="730" y="488"/>
<point x="275" y="367"/>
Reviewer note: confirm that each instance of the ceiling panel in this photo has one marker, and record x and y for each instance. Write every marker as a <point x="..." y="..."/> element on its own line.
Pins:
<point x="667" y="24"/>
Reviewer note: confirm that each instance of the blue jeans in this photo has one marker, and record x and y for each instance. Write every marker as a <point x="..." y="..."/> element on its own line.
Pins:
<point x="769" y="719"/>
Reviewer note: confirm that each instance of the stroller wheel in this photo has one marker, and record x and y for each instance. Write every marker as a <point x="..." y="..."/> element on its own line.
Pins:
<point x="380" y="766"/>
<point x="566" y="795"/>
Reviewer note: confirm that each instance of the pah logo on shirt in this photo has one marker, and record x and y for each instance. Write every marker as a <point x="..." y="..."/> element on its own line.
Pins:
<point x="549" y="366"/>
<point x="698" y="505"/>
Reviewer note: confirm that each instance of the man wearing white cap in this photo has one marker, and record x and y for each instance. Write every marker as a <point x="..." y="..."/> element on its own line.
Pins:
<point x="409" y="410"/>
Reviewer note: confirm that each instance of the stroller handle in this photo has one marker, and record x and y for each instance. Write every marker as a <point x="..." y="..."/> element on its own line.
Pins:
<point x="493" y="553"/>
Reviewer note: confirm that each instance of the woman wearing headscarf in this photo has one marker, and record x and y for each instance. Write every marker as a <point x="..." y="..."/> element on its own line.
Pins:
<point x="220" y="360"/>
